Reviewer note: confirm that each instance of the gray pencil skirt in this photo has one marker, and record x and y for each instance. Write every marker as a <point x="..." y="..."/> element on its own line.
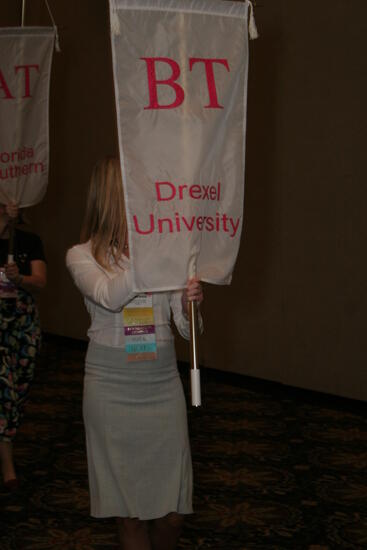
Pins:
<point x="139" y="461"/>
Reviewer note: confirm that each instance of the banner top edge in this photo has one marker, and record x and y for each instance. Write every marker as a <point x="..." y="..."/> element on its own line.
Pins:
<point x="27" y="31"/>
<point x="220" y="7"/>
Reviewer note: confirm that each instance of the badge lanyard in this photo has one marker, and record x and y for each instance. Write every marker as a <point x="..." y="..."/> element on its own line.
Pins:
<point x="139" y="327"/>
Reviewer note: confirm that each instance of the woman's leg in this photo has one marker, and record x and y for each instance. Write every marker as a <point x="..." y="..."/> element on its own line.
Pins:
<point x="165" y="532"/>
<point x="8" y="413"/>
<point x="19" y="363"/>
<point x="14" y="391"/>
<point x="7" y="463"/>
<point x="133" y="534"/>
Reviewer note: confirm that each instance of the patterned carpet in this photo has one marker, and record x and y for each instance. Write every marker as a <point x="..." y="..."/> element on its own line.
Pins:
<point x="275" y="468"/>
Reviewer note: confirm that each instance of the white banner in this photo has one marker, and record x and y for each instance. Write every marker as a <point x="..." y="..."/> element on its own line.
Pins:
<point x="25" y="67"/>
<point x="180" y="70"/>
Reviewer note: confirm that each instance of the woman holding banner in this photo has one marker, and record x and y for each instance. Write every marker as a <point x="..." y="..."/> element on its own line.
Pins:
<point x="20" y="331"/>
<point x="139" y="460"/>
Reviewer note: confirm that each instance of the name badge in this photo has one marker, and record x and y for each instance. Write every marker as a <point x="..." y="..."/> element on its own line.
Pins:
<point x="7" y="288"/>
<point x="139" y="327"/>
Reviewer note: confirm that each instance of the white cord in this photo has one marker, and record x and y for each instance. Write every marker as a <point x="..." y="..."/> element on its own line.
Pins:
<point x="252" y="30"/>
<point x="57" y="41"/>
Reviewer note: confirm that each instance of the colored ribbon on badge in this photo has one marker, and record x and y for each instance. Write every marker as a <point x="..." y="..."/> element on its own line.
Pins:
<point x="139" y="327"/>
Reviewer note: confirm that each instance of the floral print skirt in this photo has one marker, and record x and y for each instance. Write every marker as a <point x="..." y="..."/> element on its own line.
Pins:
<point x="20" y="339"/>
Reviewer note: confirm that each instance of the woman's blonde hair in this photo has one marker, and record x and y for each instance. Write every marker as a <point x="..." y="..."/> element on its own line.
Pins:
<point x="105" y="221"/>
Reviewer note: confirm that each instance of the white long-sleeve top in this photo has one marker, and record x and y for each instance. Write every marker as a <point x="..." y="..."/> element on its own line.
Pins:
<point x="107" y="292"/>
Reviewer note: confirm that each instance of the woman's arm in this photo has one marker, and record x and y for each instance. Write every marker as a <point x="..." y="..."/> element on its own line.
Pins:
<point x="111" y="293"/>
<point x="180" y="306"/>
<point x="38" y="277"/>
<point x="192" y="292"/>
<point x="33" y="282"/>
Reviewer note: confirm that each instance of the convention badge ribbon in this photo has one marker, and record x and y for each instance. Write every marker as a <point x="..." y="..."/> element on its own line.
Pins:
<point x="139" y="328"/>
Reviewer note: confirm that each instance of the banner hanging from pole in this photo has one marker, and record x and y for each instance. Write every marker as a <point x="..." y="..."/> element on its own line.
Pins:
<point x="25" y="70"/>
<point x="180" y="72"/>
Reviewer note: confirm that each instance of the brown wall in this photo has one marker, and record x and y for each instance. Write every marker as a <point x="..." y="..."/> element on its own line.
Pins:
<point x="295" y="311"/>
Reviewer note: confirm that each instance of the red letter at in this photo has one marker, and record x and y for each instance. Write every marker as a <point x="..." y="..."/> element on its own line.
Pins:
<point x="213" y="99"/>
<point x="4" y="86"/>
<point x="27" y="79"/>
<point x="153" y="82"/>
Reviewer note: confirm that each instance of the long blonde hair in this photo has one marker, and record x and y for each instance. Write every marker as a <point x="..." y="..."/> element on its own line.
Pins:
<point x="105" y="221"/>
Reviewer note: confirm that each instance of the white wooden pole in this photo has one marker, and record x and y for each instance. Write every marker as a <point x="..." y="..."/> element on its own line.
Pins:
<point x="194" y="356"/>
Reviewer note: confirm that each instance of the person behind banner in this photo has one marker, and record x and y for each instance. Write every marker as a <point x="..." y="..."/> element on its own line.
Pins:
<point x="20" y="332"/>
<point x="139" y="461"/>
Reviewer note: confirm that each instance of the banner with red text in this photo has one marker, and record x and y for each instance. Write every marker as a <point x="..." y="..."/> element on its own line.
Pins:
<point x="180" y="70"/>
<point x="25" y="67"/>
